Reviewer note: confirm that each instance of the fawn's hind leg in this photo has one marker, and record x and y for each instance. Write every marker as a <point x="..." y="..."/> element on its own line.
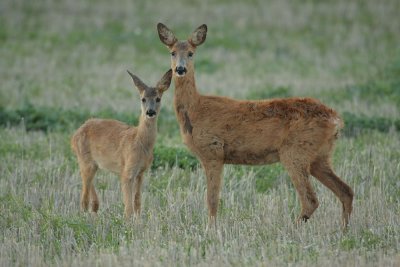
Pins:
<point x="94" y="198"/>
<point x="322" y="170"/>
<point x="298" y="170"/>
<point x="88" y="170"/>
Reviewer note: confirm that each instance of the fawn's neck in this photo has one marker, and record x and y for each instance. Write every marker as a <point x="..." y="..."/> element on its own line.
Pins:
<point x="147" y="132"/>
<point x="186" y="93"/>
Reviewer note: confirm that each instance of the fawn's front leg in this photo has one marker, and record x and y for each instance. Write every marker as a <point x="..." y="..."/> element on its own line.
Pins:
<point x="127" y="178"/>
<point x="137" y="185"/>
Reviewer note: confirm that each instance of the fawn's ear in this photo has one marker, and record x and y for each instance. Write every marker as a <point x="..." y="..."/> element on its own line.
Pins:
<point x="165" y="81"/>
<point x="167" y="37"/>
<point x="198" y="36"/>
<point x="138" y="83"/>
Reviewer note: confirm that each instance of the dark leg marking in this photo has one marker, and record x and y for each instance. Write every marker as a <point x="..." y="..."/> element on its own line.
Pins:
<point x="188" y="125"/>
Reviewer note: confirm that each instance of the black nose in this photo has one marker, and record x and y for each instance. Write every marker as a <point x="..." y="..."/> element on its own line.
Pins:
<point x="180" y="70"/>
<point x="151" y="113"/>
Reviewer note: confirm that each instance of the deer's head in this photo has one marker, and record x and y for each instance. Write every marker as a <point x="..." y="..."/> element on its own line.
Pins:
<point x="151" y="96"/>
<point x="182" y="52"/>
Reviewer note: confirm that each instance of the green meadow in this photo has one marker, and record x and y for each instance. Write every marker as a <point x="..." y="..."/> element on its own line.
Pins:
<point x="62" y="62"/>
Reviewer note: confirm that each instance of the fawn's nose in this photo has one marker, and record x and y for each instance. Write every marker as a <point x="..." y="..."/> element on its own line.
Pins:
<point x="180" y="70"/>
<point x="151" y="113"/>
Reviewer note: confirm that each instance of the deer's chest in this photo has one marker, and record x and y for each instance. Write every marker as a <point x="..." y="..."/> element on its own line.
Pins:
<point x="184" y="120"/>
<point x="186" y="126"/>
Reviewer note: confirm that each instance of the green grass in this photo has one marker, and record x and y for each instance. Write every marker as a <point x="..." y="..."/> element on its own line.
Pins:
<point x="53" y="119"/>
<point x="63" y="62"/>
<point x="40" y="203"/>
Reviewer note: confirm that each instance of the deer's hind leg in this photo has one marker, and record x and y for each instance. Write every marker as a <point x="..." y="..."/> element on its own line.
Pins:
<point x="322" y="170"/>
<point x="298" y="168"/>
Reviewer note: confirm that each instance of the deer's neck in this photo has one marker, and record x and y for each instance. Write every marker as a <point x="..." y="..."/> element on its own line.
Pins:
<point x="146" y="133"/>
<point x="186" y="94"/>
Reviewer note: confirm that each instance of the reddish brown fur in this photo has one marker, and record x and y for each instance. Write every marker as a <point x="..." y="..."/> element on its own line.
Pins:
<point x="298" y="132"/>
<point x="120" y="148"/>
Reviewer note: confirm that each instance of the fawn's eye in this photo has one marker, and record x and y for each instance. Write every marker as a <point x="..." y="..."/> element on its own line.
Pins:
<point x="190" y="54"/>
<point x="143" y="100"/>
<point x="158" y="99"/>
<point x="173" y="53"/>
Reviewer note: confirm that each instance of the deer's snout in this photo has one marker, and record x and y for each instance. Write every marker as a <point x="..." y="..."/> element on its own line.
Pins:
<point x="180" y="70"/>
<point x="151" y="113"/>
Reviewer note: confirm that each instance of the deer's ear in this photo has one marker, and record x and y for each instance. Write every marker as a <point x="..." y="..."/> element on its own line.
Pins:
<point x="167" y="37"/>
<point x="138" y="83"/>
<point x="198" y="36"/>
<point x="165" y="81"/>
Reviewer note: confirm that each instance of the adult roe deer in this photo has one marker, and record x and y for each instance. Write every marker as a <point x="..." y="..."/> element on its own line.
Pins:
<point x="120" y="148"/>
<point x="298" y="132"/>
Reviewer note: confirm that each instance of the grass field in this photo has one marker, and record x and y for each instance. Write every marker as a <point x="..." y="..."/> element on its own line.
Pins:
<point x="62" y="62"/>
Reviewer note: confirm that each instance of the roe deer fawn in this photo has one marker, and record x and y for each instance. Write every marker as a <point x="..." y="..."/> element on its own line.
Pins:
<point x="120" y="148"/>
<point x="298" y="132"/>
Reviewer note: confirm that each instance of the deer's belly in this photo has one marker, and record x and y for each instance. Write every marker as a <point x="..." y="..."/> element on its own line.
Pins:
<point x="250" y="157"/>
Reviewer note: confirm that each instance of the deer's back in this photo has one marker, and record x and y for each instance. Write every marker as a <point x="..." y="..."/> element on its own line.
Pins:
<point x="253" y="132"/>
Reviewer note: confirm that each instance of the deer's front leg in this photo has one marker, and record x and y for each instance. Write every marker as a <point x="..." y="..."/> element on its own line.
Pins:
<point x="213" y="170"/>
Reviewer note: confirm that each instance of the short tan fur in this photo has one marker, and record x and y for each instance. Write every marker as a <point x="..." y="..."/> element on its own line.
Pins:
<point x="120" y="148"/>
<point x="298" y="132"/>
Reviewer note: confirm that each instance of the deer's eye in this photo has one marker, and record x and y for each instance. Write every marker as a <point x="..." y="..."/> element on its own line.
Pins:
<point x="158" y="99"/>
<point x="173" y="53"/>
<point x="190" y="54"/>
<point x="143" y="100"/>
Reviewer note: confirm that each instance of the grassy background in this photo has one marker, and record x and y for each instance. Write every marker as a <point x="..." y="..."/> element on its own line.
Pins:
<point x="62" y="62"/>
